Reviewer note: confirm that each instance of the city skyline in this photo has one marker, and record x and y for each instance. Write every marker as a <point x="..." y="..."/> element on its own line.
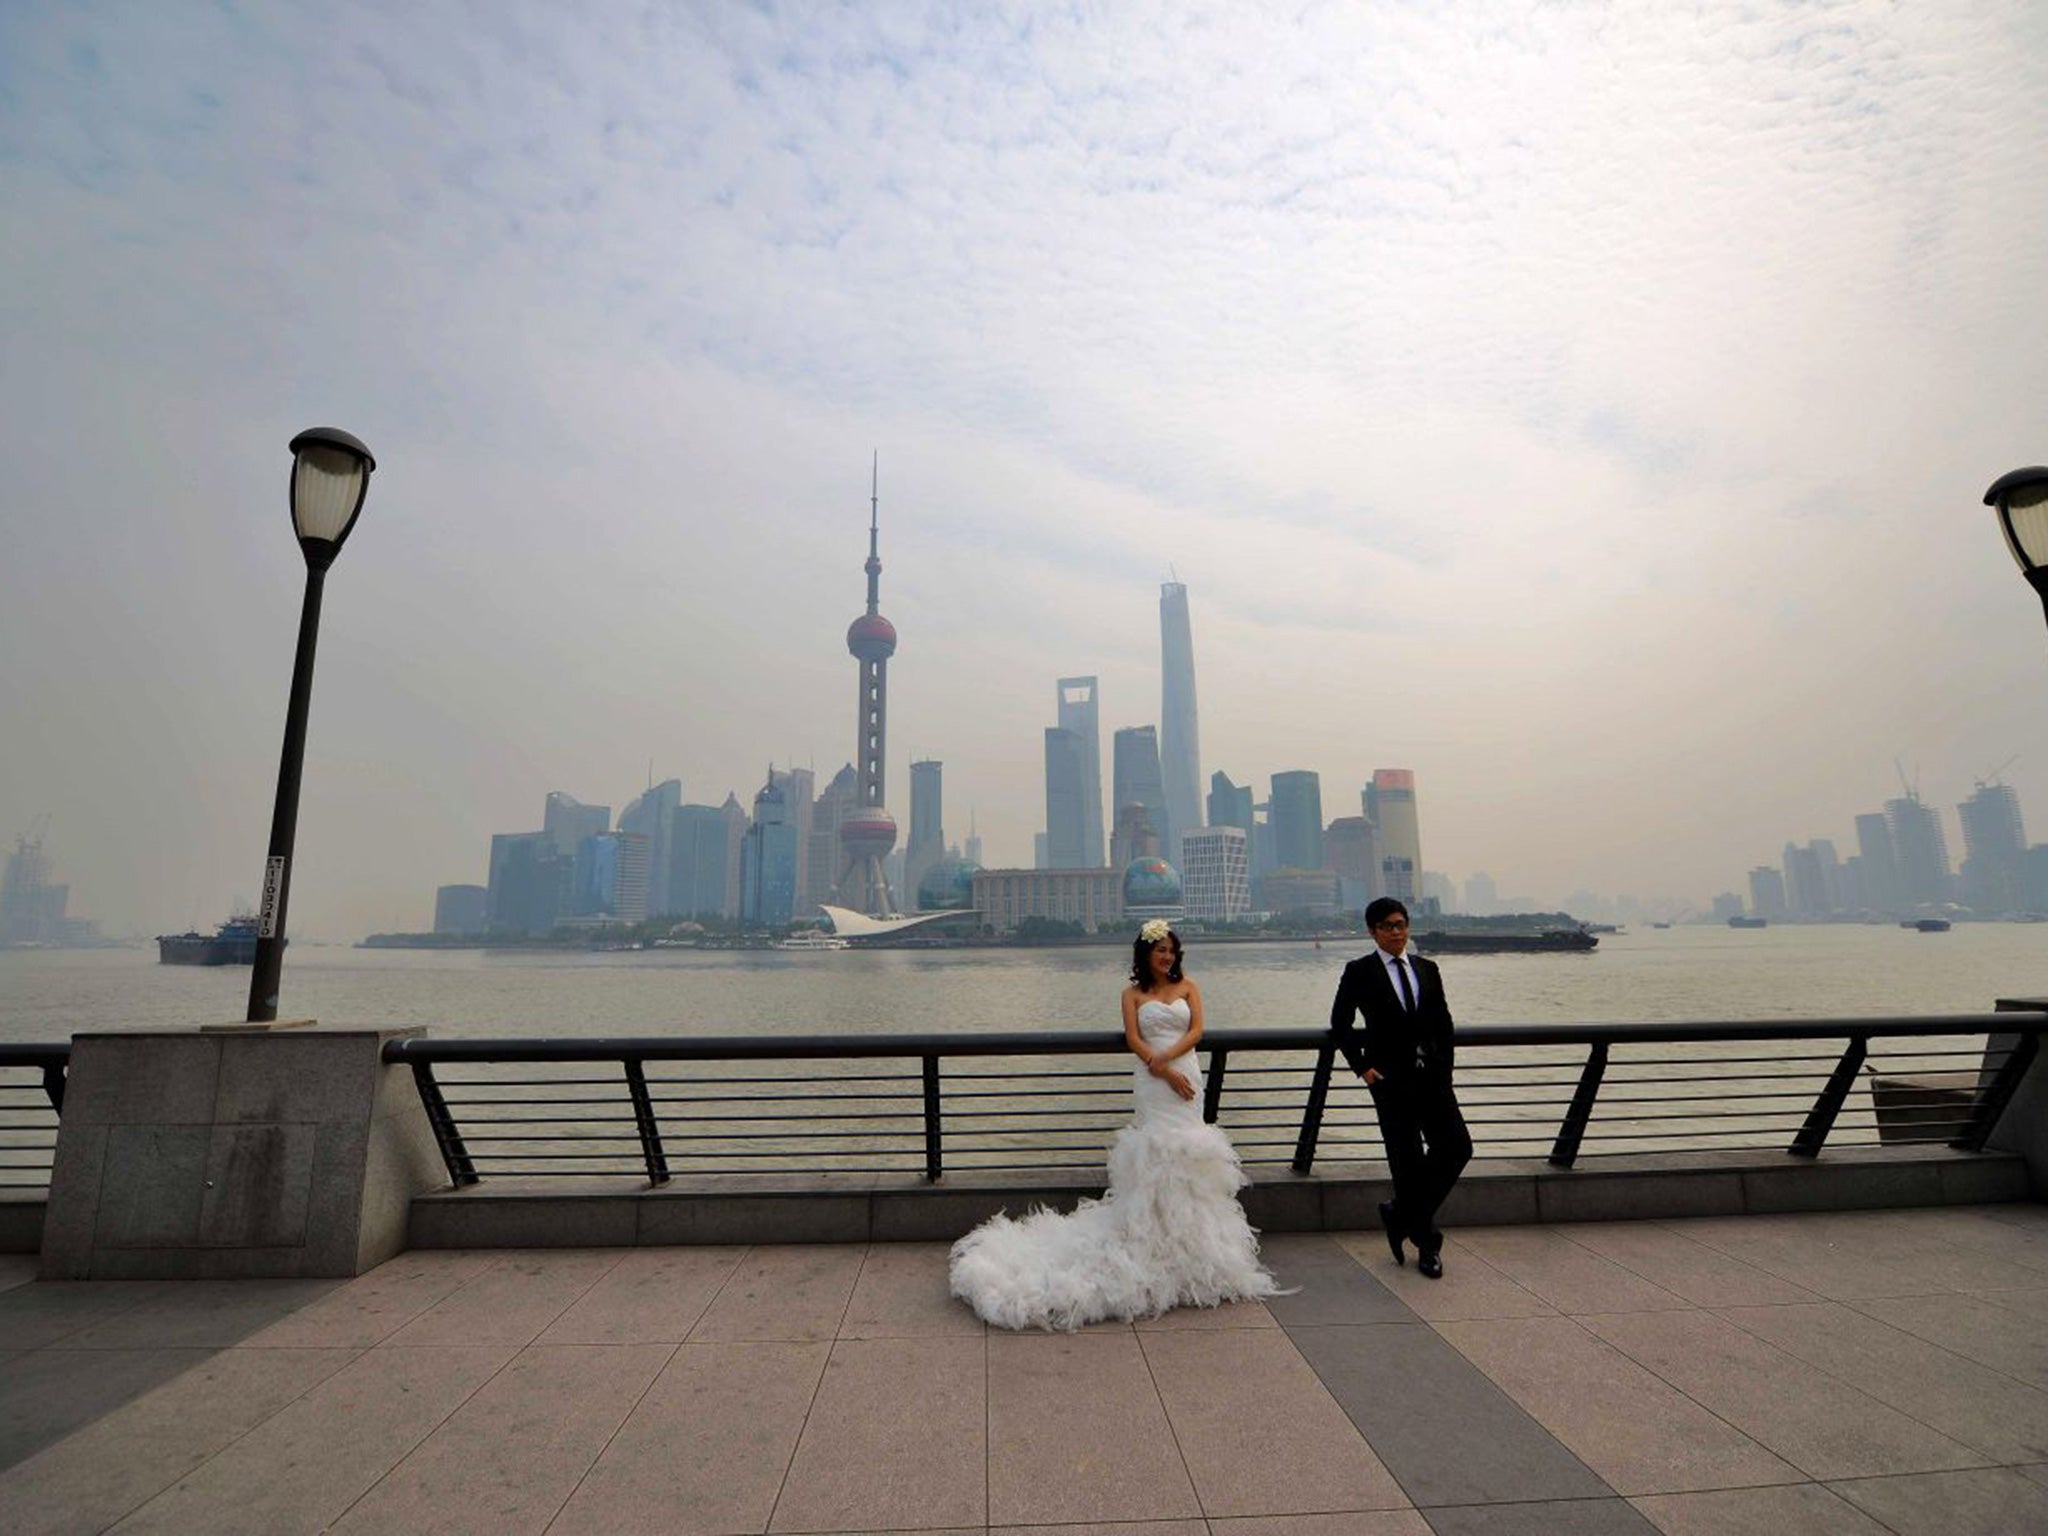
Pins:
<point x="1585" y="409"/>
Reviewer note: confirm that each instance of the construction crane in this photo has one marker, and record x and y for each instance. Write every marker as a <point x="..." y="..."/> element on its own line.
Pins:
<point x="1996" y="775"/>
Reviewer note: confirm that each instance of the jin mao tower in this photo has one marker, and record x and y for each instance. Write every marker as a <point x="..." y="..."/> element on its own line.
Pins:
<point x="868" y="835"/>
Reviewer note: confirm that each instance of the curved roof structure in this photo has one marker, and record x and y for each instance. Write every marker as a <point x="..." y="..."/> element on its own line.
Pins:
<point x="849" y="924"/>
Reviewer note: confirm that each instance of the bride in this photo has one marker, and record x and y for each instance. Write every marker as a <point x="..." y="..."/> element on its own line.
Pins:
<point x="1169" y="1232"/>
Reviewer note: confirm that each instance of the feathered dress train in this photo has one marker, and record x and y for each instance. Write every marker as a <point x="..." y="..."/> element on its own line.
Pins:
<point x="1168" y="1232"/>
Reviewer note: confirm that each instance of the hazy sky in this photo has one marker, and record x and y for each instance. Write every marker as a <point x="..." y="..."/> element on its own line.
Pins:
<point x="1586" y="407"/>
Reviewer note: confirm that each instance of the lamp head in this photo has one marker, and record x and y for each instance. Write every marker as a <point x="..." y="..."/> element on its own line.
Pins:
<point x="2021" y="499"/>
<point x="330" y="477"/>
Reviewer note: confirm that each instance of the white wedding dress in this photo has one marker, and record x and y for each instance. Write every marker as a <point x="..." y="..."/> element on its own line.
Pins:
<point x="1168" y="1233"/>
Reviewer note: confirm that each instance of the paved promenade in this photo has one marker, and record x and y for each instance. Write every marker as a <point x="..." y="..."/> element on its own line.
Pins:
<point x="1846" y="1373"/>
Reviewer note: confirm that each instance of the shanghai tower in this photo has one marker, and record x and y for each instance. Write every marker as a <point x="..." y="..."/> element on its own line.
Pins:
<point x="1180" y="750"/>
<point x="868" y="835"/>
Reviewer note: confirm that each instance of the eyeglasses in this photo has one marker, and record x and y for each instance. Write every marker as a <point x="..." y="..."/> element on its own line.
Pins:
<point x="1393" y="925"/>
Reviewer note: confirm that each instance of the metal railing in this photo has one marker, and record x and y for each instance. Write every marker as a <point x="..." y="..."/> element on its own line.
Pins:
<point x="1043" y="1102"/>
<point x="31" y="1097"/>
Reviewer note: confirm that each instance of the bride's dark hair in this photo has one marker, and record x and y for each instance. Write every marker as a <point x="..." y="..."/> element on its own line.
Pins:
<point x="1141" y="960"/>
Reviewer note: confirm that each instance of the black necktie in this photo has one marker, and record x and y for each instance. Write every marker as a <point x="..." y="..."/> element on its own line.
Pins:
<point x="1407" y="992"/>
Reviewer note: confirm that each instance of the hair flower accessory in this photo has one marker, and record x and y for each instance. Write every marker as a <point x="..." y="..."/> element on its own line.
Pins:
<point x="1155" y="930"/>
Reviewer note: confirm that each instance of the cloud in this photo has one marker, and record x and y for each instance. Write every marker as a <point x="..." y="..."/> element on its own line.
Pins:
<point x="1585" y="407"/>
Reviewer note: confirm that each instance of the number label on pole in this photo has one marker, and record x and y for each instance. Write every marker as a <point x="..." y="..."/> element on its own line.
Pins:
<point x="273" y="879"/>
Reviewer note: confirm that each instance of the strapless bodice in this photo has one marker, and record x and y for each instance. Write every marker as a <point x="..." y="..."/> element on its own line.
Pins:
<point x="1164" y="1021"/>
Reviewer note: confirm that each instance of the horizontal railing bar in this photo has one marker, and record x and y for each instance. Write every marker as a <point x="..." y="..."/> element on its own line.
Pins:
<point x="1073" y="1042"/>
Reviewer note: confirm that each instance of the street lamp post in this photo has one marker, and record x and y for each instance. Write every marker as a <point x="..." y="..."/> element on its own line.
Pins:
<point x="2021" y="498"/>
<point x="330" y="477"/>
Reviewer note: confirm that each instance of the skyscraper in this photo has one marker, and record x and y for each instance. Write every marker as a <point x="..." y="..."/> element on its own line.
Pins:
<point x="1215" y="877"/>
<point x="1180" y="750"/>
<point x="1296" y="820"/>
<point x="927" y="830"/>
<point x="1766" y="892"/>
<point x="1134" y="838"/>
<point x="1080" y="712"/>
<point x="1881" y="890"/>
<point x="1922" y="851"/>
<point x="768" y="861"/>
<point x="529" y="883"/>
<point x="1066" y="802"/>
<point x="1390" y="807"/>
<point x="799" y="791"/>
<point x="648" y="817"/>
<point x="1994" y="850"/>
<point x="1351" y="849"/>
<point x="837" y="801"/>
<point x="868" y="836"/>
<point x="568" y="821"/>
<point x="699" y="856"/>
<point x="1136" y="779"/>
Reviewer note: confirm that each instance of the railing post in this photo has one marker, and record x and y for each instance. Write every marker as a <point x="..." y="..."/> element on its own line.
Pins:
<point x="1312" y="1111"/>
<point x="934" y="1165"/>
<point x="53" y="1086"/>
<point x="1565" y="1150"/>
<point x="1998" y="1093"/>
<point x="454" y="1154"/>
<point x="1821" y="1118"/>
<point x="643" y="1118"/>
<point x="1212" y="1090"/>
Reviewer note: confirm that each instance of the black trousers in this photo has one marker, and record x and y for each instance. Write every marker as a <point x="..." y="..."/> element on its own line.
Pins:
<point x="1427" y="1148"/>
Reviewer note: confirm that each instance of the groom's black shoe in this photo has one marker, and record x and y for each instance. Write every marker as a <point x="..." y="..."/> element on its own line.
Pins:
<point x="1392" y="1223"/>
<point x="1430" y="1260"/>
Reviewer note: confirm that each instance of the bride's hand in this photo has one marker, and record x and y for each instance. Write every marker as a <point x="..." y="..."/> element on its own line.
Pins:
<point x="1177" y="1081"/>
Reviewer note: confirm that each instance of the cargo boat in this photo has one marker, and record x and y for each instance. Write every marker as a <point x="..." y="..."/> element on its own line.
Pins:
<point x="232" y="943"/>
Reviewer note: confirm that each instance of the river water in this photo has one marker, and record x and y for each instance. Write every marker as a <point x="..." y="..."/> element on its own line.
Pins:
<point x="1651" y="974"/>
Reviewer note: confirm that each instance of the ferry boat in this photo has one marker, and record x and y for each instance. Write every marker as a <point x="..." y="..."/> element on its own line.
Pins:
<point x="231" y="943"/>
<point x="1927" y="924"/>
<point x="1457" y="941"/>
<point x="1749" y="922"/>
<point x="813" y="939"/>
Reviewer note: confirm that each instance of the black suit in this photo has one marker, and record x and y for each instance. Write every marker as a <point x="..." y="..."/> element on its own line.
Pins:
<point x="1420" y="1124"/>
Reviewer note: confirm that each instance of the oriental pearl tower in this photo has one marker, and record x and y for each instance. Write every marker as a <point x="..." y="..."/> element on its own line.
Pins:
<point x="868" y="835"/>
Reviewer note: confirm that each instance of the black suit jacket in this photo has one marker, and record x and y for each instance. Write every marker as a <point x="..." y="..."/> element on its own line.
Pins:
<point x="1392" y="1034"/>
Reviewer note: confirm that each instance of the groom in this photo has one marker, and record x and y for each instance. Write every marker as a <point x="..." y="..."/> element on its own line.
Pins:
<point x="1403" y="1055"/>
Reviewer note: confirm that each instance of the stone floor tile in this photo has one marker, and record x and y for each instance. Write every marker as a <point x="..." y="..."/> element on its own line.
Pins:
<point x="301" y="1468"/>
<point x="1982" y="1330"/>
<point x="1665" y="1256"/>
<point x="902" y="1293"/>
<point x="512" y="1299"/>
<point x="17" y="1269"/>
<point x="1641" y="1434"/>
<point x="370" y="1308"/>
<point x="1229" y="1315"/>
<point x="1446" y="1433"/>
<point x="896" y="1439"/>
<point x="1801" y="1509"/>
<point x="1375" y="1522"/>
<point x="45" y="1394"/>
<point x="52" y="1311"/>
<point x="201" y="1314"/>
<point x="1995" y="1501"/>
<point x="1259" y="1432"/>
<point x="1823" y="1426"/>
<point x="1077" y="1433"/>
<point x="707" y="1448"/>
<point x="2032" y="1304"/>
<point x="1981" y="1228"/>
<point x="510" y="1457"/>
<point x="1331" y="1285"/>
<point x="1571" y="1278"/>
<point x="2003" y="1418"/>
<point x="1836" y="1263"/>
<point x="787" y="1293"/>
<point x="1578" y="1517"/>
<point x="1470" y="1286"/>
<point x="104" y="1469"/>
<point x="651" y="1296"/>
<point x="1112" y="1528"/>
<point x="2035" y="1471"/>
